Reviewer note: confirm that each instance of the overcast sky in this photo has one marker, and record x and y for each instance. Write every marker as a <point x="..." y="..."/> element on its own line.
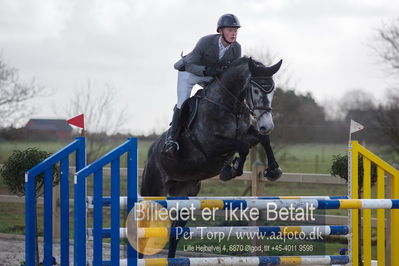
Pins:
<point x="133" y="45"/>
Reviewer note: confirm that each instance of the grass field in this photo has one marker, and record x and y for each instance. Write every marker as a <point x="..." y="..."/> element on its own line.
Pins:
<point x="312" y="158"/>
<point x="299" y="158"/>
<point x="6" y="148"/>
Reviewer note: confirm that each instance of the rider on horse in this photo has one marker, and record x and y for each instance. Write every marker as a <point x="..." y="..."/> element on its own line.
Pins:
<point x="211" y="55"/>
<point x="209" y="58"/>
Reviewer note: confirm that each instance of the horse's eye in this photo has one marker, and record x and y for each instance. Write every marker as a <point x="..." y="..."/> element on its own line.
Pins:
<point x="256" y="91"/>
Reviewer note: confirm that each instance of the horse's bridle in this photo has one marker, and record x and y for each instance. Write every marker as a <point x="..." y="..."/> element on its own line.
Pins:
<point x="256" y="81"/>
<point x="265" y="88"/>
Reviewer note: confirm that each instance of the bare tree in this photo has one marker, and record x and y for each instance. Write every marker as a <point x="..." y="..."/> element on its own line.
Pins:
<point x="103" y="116"/>
<point x="13" y="95"/>
<point x="356" y="99"/>
<point x="387" y="45"/>
<point x="388" y="117"/>
<point x="387" y="49"/>
<point x="269" y="58"/>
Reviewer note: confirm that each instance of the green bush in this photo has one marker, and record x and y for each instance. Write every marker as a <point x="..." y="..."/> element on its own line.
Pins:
<point x="13" y="170"/>
<point x="339" y="168"/>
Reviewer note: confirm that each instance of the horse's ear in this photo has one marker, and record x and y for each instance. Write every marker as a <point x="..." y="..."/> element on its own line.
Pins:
<point x="251" y="65"/>
<point x="274" y="68"/>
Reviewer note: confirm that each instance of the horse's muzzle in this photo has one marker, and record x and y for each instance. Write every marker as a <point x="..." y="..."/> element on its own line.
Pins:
<point x="266" y="130"/>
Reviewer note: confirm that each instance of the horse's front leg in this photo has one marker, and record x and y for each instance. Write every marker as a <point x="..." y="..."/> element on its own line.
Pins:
<point x="273" y="170"/>
<point x="235" y="168"/>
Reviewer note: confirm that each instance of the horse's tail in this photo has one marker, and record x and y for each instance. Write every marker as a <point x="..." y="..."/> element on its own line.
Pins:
<point x="151" y="181"/>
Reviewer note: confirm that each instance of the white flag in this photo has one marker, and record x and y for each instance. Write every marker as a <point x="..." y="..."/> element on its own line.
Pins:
<point x="355" y="126"/>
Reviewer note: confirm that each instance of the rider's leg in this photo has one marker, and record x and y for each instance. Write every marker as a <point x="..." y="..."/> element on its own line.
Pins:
<point x="185" y="83"/>
<point x="171" y="144"/>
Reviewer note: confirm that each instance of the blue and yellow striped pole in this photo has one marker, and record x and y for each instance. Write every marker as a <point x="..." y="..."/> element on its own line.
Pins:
<point x="242" y="261"/>
<point x="278" y="204"/>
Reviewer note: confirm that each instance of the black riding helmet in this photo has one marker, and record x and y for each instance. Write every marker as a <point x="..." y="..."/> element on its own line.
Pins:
<point x="228" y="20"/>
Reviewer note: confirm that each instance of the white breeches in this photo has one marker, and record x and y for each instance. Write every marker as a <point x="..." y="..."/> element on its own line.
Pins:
<point x="185" y="83"/>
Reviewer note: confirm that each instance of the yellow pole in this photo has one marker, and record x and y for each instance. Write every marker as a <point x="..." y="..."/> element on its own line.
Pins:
<point x="395" y="222"/>
<point x="380" y="218"/>
<point x="366" y="213"/>
<point x="393" y="230"/>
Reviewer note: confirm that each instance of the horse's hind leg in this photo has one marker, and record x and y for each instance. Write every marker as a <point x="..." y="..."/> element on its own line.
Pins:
<point x="151" y="182"/>
<point x="180" y="189"/>
<point x="174" y="239"/>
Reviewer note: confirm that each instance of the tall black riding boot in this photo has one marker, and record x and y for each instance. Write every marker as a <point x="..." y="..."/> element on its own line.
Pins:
<point x="171" y="145"/>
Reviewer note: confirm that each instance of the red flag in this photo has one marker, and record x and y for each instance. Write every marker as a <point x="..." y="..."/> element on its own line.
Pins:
<point x="78" y="121"/>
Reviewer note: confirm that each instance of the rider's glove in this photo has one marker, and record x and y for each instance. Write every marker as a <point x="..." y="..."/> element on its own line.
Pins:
<point x="214" y="70"/>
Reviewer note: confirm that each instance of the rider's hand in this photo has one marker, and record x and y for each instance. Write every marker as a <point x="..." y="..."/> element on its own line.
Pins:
<point x="214" y="70"/>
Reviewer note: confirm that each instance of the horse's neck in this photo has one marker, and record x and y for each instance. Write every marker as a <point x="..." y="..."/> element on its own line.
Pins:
<point x="224" y="93"/>
<point x="232" y="89"/>
<point x="228" y="90"/>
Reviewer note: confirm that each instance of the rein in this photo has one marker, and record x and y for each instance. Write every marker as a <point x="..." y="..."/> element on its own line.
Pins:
<point x="249" y="106"/>
<point x="226" y="90"/>
<point x="230" y="94"/>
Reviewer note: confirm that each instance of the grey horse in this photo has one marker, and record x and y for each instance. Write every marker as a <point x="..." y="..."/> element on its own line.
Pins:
<point x="222" y="128"/>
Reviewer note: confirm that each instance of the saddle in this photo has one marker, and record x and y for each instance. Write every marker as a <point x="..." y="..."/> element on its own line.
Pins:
<point x="189" y="109"/>
<point x="188" y="115"/>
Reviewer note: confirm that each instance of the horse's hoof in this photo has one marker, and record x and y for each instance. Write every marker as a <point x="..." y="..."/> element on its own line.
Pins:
<point x="229" y="172"/>
<point x="236" y="172"/>
<point x="225" y="174"/>
<point x="273" y="174"/>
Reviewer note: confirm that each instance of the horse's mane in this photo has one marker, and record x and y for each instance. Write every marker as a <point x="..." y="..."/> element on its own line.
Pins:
<point x="237" y="66"/>
<point x="238" y="69"/>
<point x="236" y="72"/>
<point x="244" y="60"/>
<point x="239" y="61"/>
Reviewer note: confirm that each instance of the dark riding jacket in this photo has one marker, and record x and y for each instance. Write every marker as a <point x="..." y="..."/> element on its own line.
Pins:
<point x="206" y="53"/>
